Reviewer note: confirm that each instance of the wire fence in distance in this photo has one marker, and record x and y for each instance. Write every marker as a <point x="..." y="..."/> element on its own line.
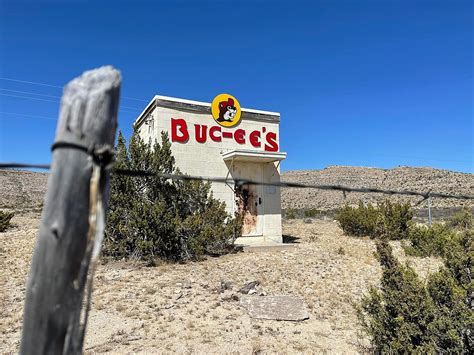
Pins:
<point x="240" y="182"/>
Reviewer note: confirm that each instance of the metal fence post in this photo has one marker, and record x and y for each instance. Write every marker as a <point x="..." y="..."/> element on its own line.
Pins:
<point x="429" y="210"/>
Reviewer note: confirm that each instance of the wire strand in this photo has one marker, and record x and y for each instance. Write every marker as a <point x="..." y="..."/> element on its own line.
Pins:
<point x="30" y="93"/>
<point x="26" y="115"/>
<point x="58" y="87"/>
<point x="240" y="182"/>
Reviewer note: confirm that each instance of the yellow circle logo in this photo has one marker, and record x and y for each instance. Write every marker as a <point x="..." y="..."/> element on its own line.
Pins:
<point x="226" y="110"/>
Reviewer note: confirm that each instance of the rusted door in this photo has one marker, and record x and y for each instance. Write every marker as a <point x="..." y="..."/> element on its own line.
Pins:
<point x="249" y="198"/>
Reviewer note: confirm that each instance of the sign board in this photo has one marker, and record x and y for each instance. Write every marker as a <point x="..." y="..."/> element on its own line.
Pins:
<point x="226" y="112"/>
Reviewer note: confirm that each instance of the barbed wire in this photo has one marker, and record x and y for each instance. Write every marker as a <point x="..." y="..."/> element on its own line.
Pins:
<point x="240" y="182"/>
<point x="58" y="87"/>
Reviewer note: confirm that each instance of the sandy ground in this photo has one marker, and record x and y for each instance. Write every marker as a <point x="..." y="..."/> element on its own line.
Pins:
<point x="180" y="307"/>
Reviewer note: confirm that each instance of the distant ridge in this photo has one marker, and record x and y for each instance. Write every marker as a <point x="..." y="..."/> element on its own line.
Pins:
<point x="401" y="178"/>
<point x="22" y="189"/>
<point x="25" y="189"/>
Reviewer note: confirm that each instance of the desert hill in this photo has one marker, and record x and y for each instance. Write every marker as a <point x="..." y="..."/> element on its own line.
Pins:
<point x="401" y="178"/>
<point x="24" y="189"/>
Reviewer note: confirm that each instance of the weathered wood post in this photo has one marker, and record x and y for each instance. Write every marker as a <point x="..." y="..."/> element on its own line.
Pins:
<point x="60" y="266"/>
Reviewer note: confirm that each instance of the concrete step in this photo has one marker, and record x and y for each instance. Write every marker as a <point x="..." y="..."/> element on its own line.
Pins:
<point x="264" y="248"/>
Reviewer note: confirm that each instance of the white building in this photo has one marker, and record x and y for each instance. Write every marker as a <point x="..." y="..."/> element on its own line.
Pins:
<point x="206" y="147"/>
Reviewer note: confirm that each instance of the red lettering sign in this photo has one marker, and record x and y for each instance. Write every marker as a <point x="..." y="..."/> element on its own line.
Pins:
<point x="239" y="136"/>
<point x="180" y="134"/>
<point x="179" y="124"/>
<point x="212" y="133"/>
<point x="271" y="145"/>
<point x="201" y="131"/>
<point x="254" y="139"/>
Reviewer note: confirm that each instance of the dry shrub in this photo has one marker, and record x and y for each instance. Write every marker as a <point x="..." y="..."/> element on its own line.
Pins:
<point x="290" y="213"/>
<point x="462" y="220"/>
<point x="388" y="220"/>
<point x="312" y="212"/>
<point x="5" y="218"/>
<point x="426" y="241"/>
<point x="407" y="315"/>
<point x="152" y="217"/>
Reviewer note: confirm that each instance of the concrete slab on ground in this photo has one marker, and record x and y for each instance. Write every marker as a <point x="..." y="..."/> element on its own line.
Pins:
<point x="282" y="307"/>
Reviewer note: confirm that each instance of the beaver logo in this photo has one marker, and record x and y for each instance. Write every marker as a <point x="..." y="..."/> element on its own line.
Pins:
<point x="226" y="110"/>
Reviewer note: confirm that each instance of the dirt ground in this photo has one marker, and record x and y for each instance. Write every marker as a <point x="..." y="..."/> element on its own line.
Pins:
<point x="180" y="307"/>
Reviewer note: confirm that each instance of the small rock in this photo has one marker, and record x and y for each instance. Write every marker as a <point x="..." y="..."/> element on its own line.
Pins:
<point x="229" y="296"/>
<point x="226" y="285"/>
<point x="252" y="291"/>
<point x="249" y="286"/>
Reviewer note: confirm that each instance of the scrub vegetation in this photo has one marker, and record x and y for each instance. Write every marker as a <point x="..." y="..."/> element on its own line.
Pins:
<point x="152" y="217"/>
<point x="302" y="213"/>
<point x="387" y="219"/>
<point x="462" y="219"/>
<point x="312" y="212"/>
<point x="407" y="314"/>
<point x="5" y="218"/>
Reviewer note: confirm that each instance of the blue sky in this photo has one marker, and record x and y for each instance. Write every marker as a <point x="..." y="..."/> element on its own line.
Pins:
<point x="366" y="83"/>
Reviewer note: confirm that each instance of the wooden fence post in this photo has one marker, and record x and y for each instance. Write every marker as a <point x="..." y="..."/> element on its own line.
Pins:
<point x="60" y="266"/>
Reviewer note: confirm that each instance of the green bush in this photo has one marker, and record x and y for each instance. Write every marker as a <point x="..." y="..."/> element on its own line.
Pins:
<point x="153" y="217"/>
<point x="389" y="220"/>
<point x="5" y="218"/>
<point x="429" y="241"/>
<point x="408" y="316"/>
<point x="459" y="259"/>
<point x="397" y="316"/>
<point x="461" y="220"/>
<point x="358" y="221"/>
<point x="312" y="212"/>
<point x="290" y="213"/>
<point x="394" y="220"/>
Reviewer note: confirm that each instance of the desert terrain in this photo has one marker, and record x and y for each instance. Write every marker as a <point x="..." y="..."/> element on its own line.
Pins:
<point x="400" y="178"/>
<point x="195" y="308"/>
<point x="26" y="190"/>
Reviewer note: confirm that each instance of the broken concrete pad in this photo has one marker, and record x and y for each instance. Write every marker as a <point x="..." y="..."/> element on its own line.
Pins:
<point x="289" y="308"/>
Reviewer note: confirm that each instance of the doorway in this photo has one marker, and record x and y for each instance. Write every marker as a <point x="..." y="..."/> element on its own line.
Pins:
<point x="249" y="198"/>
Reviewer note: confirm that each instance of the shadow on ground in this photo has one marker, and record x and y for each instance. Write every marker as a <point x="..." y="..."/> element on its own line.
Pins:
<point x="290" y="239"/>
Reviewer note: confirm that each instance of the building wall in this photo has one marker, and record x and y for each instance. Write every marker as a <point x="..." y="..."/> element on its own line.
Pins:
<point x="205" y="159"/>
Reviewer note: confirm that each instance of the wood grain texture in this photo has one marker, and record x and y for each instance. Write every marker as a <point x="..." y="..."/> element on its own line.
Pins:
<point x="59" y="267"/>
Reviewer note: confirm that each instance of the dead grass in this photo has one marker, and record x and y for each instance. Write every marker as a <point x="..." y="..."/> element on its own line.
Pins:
<point x="179" y="308"/>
